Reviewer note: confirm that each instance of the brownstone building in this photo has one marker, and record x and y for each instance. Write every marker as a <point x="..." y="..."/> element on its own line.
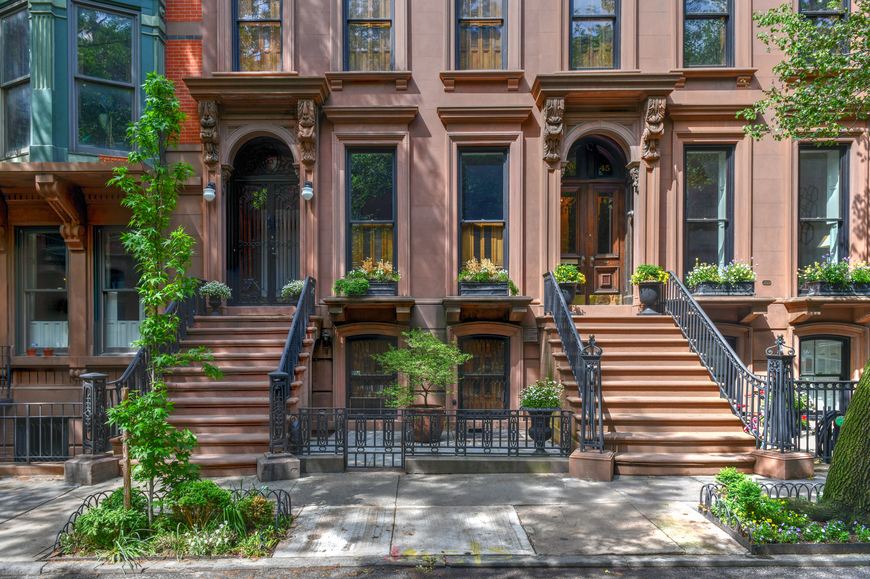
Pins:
<point x="532" y="133"/>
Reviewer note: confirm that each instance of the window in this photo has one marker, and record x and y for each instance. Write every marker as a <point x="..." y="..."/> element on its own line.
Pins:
<point x="484" y="380"/>
<point x="118" y="310"/>
<point x="483" y="205"/>
<point x="709" y="176"/>
<point x="594" y="34"/>
<point x="707" y="33"/>
<point x="15" y="82"/>
<point x="480" y="37"/>
<point x="819" y="11"/>
<point x="366" y="379"/>
<point x="258" y="35"/>
<point x="368" y="35"/>
<point x="822" y="203"/>
<point x="371" y="191"/>
<point x="106" y="58"/>
<point x="42" y="292"/>
<point x="824" y="358"/>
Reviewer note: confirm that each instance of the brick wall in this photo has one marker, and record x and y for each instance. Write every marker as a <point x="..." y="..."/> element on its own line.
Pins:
<point x="183" y="10"/>
<point x="183" y="59"/>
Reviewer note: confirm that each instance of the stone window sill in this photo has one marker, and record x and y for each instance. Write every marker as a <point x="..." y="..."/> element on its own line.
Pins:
<point x="337" y="79"/>
<point x="449" y="78"/>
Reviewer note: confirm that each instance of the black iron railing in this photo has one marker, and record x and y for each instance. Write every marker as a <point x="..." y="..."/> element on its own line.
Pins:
<point x="280" y="379"/>
<point x="820" y="407"/>
<point x="40" y="431"/>
<point x="585" y="363"/>
<point x="5" y="373"/>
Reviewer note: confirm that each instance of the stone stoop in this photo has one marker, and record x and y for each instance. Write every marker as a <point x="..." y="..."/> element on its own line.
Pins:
<point x="230" y="416"/>
<point x="663" y="412"/>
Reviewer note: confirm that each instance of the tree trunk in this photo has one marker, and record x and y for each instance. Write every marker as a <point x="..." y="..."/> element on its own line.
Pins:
<point x="848" y="483"/>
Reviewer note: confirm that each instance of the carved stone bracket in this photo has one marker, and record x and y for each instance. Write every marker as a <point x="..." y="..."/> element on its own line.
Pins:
<point x="68" y="205"/>
<point x="306" y="131"/>
<point x="554" y="129"/>
<point x="654" y="128"/>
<point x="634" y="176"/>
<point x="208" y="134"/>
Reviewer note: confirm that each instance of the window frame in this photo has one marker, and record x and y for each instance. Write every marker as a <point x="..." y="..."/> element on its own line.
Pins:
<point x="729" y="202"/>
<point x="100" y="233"/>
<point x="21" y="317"/>
<point x="505" y="199"/>
<point x="349" y="221"/>
<point x="6" y="85"/>
<point x="457" y="28"/>
<point x="346" y="21"/>
<point x="824" y="13"/>
<point x="845" y="362"/>
<point x="843" y="219"/>
<point x="76" y="77"/>
<point x="348" y="370"/>
<point x="617" y="25"/>
<point x="235" y="43"/>
<point x="729" y="33"/>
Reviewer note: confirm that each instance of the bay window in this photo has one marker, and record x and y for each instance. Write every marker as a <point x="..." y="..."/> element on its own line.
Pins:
<point x="709" y="177"/>
<point x="371" y="193"/>
<point x="594" y="34"/>
<point x="42" y="289"/>
<point x="15" y="81"/>
<point x="483" y="204"/>
<point x="822" y="204"/>
<point x="368" y="35"/>
<point x="257" y="35"/>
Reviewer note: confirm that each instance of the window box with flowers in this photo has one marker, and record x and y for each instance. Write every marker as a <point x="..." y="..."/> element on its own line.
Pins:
<point x="835" y="278"/>
<point x="484" y="278"/>
<point x="369" y="279"/>
<point x="734" y="279"/>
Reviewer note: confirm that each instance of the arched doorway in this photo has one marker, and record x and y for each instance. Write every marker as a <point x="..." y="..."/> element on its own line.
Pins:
<point x="593" y="207"/>
<point x="262" y="222"/>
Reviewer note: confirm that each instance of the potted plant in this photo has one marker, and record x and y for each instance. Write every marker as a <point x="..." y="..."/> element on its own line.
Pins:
<point x="860" y="274"/>
<point x="292" y="290"/>
<point x="540" y="400"/>
<point x="216" y="292"/>
<point x="48" y="351"/>
<point x="371" y="278"/>
<point x="483" y="277"/>
<point x="427" y="367"/>
<point x="835" y="278"/>
<point x="736" y="278"/>
<point x="31" y="351"/>
<point x="649" y="279"/>
<point x="569" y="278"/>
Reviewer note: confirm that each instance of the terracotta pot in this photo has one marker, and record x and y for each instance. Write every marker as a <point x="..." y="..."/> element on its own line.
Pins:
<point x="31" y="351"/>
<point x="48" y="351"/>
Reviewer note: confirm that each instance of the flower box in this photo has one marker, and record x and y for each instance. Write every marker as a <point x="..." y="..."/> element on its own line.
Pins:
<point x="383" y="288"/>
<point x="822" y="288"/>
<point x="484" y="288"/>
<point x="707" y="288"/>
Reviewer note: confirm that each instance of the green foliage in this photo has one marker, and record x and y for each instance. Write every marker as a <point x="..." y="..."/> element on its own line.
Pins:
<point x="703" y="273"/>
<point x="737" y="272"/>
<point x="648" y="272"/>
<point x="355" y="283"/>
<point x="256" y="511"/>
<point x="485" y="270"/>
<point x="836" y="273"/>
<point x="732" y="273"/>
<point x="545" y="393"/>
<point x="99" y="528"/>
<point x="259" y="198"/>
<point x="426" y="365"/>
<point x="216" y="289"/>
<point x="568" y="273"/>
<point x="198" y="502"/>
<point x="821" y="82"/>
<point x="860" y="272"/>
<point x="292" y="290"/>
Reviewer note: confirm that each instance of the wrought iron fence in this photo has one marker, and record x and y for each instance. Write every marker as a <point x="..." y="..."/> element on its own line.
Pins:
<point x="819" y="409"/>
<point x="585" y="363"/>
<point x="40" y="431"/>
<point x="5" y="373"/>
<point x="280" y="379"/>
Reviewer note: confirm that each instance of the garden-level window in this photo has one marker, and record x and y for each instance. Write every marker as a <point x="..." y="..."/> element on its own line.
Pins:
<point x="257" y="35"/>
<point x="366" y="379"/>
<point x="15" y="81"/>
<point x="709" y="177"/>
<point x="480" y="36"/>
<point x="118" y="309"/>
<point x="822" y="203"/>
<point x="483" y="204"/>
<point x="484" y="380"/>
<point x="371" y="192"/>
<point x="707" y="32"/>
<point x="106" y="61"/>
<point x="824" y="358"/>
<point x="368" y="35"/>
<point x="820" y="11"/>
<point x="42" y="290"/>
<point x="594" y="34"/>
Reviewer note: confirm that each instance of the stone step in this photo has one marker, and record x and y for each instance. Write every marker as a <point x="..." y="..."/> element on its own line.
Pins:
<point x="222" y="404"/>
<point x="656" y="442"/>
<point x="227" y="464"/>
<point x="674" y="403"/>
<point x="612" y="345"/>
<point x="680" y="463"/>
<point x="230" y="321"/>
<point x="239" y="443"/>
<point x="671" y="370"/>
<point x="648" y="421"/>
<point x="238" y="333"/>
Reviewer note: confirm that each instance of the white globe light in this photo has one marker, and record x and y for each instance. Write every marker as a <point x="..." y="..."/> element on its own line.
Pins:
<point x="208" y="193"/>
<point x="308" y="191"/>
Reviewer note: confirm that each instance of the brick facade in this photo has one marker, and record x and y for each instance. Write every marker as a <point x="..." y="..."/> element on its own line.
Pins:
<point x="183" y="10"/>
<point x="184" y="59"/>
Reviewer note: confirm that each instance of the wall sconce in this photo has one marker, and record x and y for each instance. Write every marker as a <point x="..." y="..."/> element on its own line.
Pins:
<point x="308" y="191"/>
<point x="208" y="193"/>
<point x="326" y="338"/>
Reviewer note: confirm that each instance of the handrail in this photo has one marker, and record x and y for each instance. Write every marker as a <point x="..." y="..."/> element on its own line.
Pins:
<point x="585" y="363"/>
<point x="743" y="389"/>
<point x="280" y="379"/>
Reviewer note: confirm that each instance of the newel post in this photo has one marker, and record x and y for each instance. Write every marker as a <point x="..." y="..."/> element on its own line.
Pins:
<point x="96" y="464"/>
<point x="278" y="463"/>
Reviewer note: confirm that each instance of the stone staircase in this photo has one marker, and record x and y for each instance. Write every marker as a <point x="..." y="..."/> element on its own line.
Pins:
<point x="663" y="412"/>
<point x="230" y="416"/>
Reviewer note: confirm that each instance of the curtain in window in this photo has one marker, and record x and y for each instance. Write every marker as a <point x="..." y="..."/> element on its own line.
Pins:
<point x="483" y="212"/>
<point x="371" y="205"/>
<point x="593" y="33"/>
<point x="481" y="34"/>
<point x="707" y="190"/>
<point x="42" y="290"/>
<point x="369" y="35"/>
<point x="820" y="209"/>
<point x="259" y="35"/>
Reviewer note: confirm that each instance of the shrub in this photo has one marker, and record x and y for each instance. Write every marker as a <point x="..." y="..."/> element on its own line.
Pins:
<point x="484" y="270"/>
<point x="568" y="273"/>
<point x="216" y="289"/>
<point x="102" y="526"/>
<point x="648" y="272"/>
<point x="196" y="503"/>
<point x="292" y="290"/>
<point x="545" y="393"/>
<point x="257" y="511"/>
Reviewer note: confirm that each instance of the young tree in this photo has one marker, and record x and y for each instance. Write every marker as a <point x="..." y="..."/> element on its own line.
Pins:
<point x="163" y="257"/>
<point x="822" y="82"/>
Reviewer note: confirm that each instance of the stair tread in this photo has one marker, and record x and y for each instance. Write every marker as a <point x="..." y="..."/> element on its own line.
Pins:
<point x="245" y="318"/>
<point x="222" y="400"/>
<point x="684" y="457"/>
<point x="669" y="417"/>
<point x="221" y="419"/>
<point x="687" y="436"/>
<point x="664" y="399"/>
<point x="225" y="458"/>
<point x="229" y="438"/>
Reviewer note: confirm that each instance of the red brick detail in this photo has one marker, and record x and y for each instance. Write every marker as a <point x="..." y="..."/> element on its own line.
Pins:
<point x="184" y="59"/>
<point x="183" y="10"/>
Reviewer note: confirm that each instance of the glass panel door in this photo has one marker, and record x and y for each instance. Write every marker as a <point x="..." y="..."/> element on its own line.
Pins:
<point x="484" y="380"/>
<point x="365" y="378"/>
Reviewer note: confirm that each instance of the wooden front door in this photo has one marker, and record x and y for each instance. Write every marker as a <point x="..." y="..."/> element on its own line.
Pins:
<point x="593" y="238"/>
<point x="484" y="380"/>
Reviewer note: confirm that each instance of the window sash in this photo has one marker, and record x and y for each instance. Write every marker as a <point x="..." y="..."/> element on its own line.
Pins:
<point x="239" y="21"/>
<point x="840" y="220"/>
<point x="372" y="225"/>
<point x="725" y="16"/>
<point x="372" y="61"/>
<point x="29" y="327"/>
<point x="596" y="17"/>
<point x="724" y="212"/>
<point x="482" y="237"/>
<point x="104" y="293"/>
<point x="489" y="61"/>
<point x="825" y="12"/>
<point x="7" y="85"/>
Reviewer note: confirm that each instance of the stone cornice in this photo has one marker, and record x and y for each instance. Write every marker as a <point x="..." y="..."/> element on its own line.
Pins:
<point x="338" y="78"/>
<point x="484" y="114"/>
<point x="251" y="91"/>
<point x="512" y="78"/>
<point x="603" y="87"/>
<point x="402" y="115"/>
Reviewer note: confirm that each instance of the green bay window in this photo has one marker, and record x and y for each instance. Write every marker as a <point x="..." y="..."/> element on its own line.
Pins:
<point x="822" y="203"/>
<point x="257" y="35"/>
<point x="118" y="311"/>
<point x="15" y="81"/>
<point x="368" y="35"/>
<point x="709" y="177"/>
<point x="106" y="59"/>
<point x="42" y="289"/>
<point x="594" y="34"/>
<point x="481" y="34"/>
<point x="483" y="205"/>
<point x="707" y="33"/>
<point x="371" y="191"/>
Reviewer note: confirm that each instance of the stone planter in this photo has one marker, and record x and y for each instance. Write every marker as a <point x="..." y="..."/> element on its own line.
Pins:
<point x="541" y="429"/>
<point x="484" y="288"/>
<point x="214" y="302"/>
<point x="743" y="288"/>
<point x="383" y="288"/>
<point x="821" y="288"/>
<point x="569" y="290"/>
<point x="650" y="293"/>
